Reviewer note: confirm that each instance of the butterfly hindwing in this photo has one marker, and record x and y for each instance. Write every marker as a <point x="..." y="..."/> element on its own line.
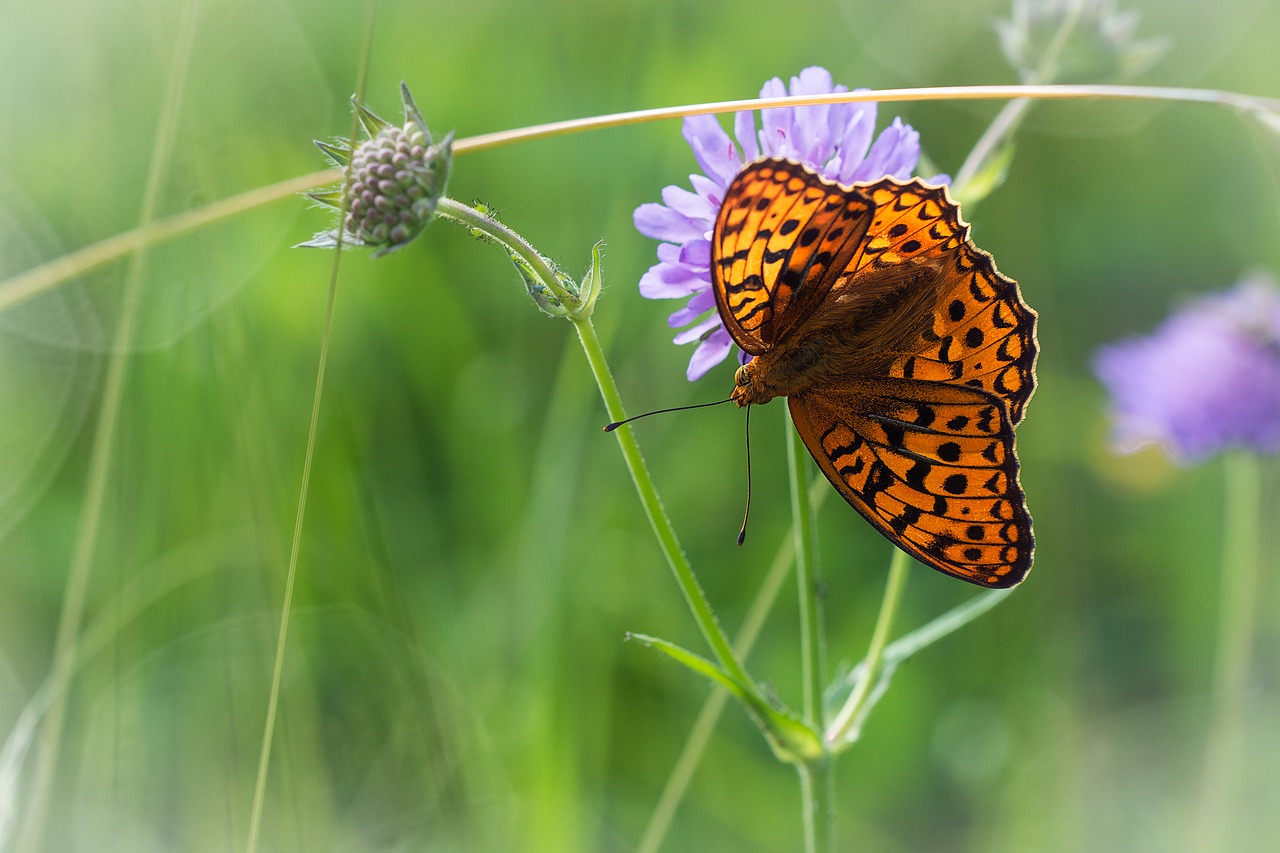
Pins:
<point x="782" y="238"/>
<point x="931" y="466"/>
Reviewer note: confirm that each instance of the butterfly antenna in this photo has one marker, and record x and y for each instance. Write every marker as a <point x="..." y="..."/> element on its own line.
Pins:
<point x="611" y="427"/>
<point x="742" y="534"/>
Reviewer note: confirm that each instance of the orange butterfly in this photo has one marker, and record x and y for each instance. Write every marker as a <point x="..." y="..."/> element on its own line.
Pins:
<point x="905" y="357"/>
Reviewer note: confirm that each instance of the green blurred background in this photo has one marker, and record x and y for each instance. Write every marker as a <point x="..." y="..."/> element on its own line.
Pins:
<point x="456" y="676"/>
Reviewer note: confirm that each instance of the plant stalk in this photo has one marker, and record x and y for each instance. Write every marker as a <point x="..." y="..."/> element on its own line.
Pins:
<point x="1238" y="577"/>
<point x="662" y="528"/>
<point x="851" y="711"/>
<point x="816" y="778"/>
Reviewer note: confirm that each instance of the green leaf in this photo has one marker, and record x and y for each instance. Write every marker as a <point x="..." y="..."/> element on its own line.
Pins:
<point x="901" y="649"/>
<point x="589" y="289"/>
<point x="987" y="179"/>
<point x="788" y="736"/>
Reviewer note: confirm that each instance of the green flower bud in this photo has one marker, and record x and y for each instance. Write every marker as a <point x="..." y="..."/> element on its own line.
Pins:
<point x="394" y="181"/>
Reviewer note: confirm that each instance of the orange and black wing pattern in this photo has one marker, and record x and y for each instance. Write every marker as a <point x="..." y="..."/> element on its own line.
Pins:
<point x="781" y="240"/>
<point x="925" y="452"/>
<point x="931" y="466"/>
<point x="983" y="334"/>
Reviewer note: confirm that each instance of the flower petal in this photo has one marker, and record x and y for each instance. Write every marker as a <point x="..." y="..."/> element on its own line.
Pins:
<point x="688" y="204"/>
<point x="669" y="253"/>
<point x="895" y="153"/>
<point x="708" y="189"/>
<point x="712" y="147"/>
<point x="1206" y="380"/>
<point x="854" y="141"/>
<point x="775" y="124"/>
<point x="696" y="254"/>
<point x="744" y="128"/>
<point x="663" y="223"/>
<point x="695" y="332"/>
<point x="810" y="126"/>
<point x="703" y="301"/>
<point x="700" y="303"/>
<point x="670" y="281"/>
<point x="709" y="353"/>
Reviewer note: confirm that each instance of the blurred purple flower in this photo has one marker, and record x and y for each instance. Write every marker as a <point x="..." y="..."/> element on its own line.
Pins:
<point x="834" y="139"/>
<point x="1206" y="380"/>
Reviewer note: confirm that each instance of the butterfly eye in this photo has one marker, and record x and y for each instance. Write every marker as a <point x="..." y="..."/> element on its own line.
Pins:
<point x="742" y="377"/>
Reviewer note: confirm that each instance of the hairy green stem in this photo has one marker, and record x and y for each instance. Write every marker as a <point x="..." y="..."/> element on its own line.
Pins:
<point x="471" y="218"/>
<point x="695" y="744"/>
<point x="807" y="580"/>
<point x="662" y="529"/>
<point x="468" y="217"/>
<point x="817" y="794"/>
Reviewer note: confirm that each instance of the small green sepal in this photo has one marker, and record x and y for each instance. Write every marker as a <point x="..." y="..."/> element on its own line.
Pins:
<point x="339" y="153"/>
<point x="542" y="296"/>
<point x="369" y="120"/>
<point x="589" y="289"/>
<point x="327" y="198"/>
<point x="894" y="654"/>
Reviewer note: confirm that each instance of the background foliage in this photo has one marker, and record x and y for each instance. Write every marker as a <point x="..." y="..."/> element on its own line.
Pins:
<point x="473" y="553"/>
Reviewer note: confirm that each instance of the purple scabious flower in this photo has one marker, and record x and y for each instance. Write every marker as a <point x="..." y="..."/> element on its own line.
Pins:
<point x="1206" y="380"/>
<point x="834" y="139"/>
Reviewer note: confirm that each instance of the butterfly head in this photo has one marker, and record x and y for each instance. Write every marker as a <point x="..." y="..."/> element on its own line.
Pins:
<point x="749" y="387"/>
<point x="743" y="391"/>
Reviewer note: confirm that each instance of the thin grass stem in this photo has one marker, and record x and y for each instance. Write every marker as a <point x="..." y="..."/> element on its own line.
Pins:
<point x="102" y="454"/>
<point x="816" y="787"/>
<point x="1237" y="600"/>
<point x="291" y="575"/>
<point x="19" y="288"/>
<point x="1012" y="113"/>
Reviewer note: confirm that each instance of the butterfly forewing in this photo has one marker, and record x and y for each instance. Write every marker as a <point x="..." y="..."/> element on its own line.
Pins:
<point x="782" y="238"/>
<point x="983" y="334"/>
